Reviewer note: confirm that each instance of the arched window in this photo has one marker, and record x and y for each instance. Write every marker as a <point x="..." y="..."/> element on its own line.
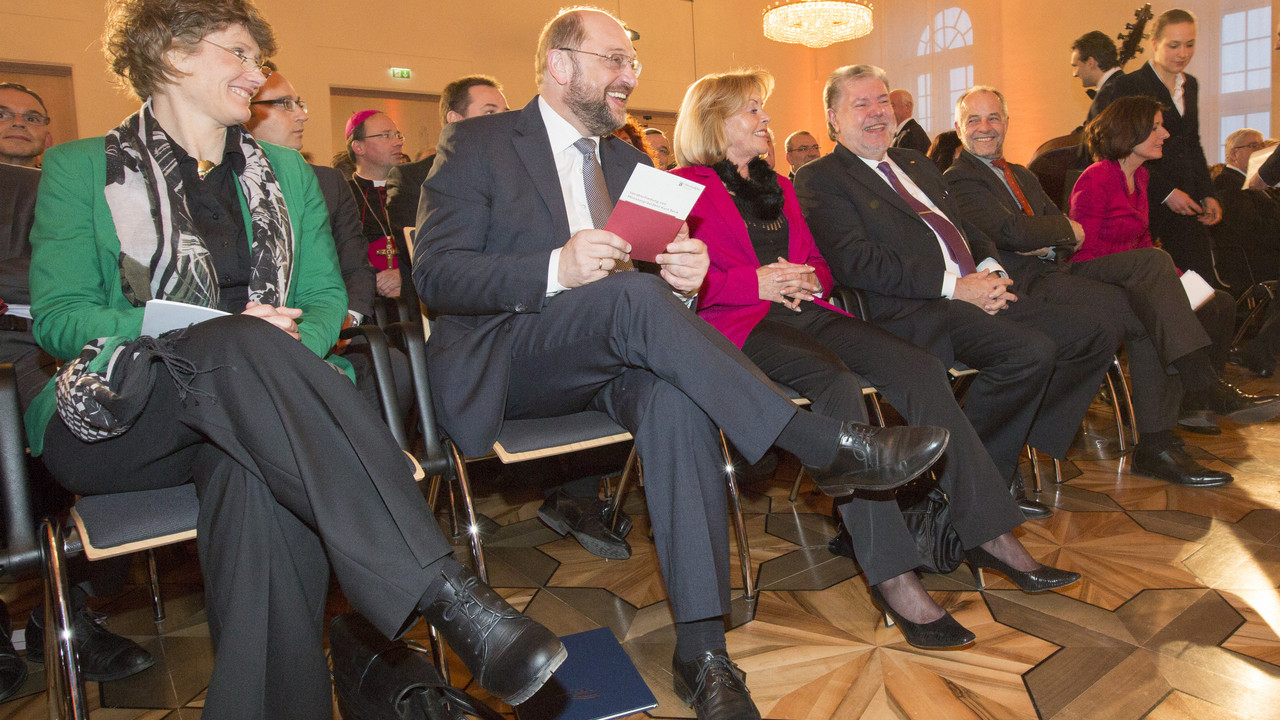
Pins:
<point x="947" y="43"/>
<point x="951" y="30"/>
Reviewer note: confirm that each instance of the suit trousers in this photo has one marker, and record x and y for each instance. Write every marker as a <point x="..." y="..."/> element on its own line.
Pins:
<point x="1039" y="367"/>
<point x="295" y="474"/>
<point x="1184" y="238"/>
<point x="825" y="355"/>
<point x="625" y="345"/>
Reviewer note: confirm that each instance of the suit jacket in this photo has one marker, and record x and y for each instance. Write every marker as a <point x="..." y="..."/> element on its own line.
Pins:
<point x="1250" y="230"/>
<point x="912" y="137"/>
<point x="987" y="203"/>
<point x="730" y="296"/>
<point x="353" y="250"/>
<point x="491" y="213"/>
<point x="1113" y="220"/>
<point x="874" y="241"/>
<point x="18" y="187"/>
<point x="75" y="265"/>
<point x="404" y="188"/>
<point x="1096" y="105"/>
<point x="1183" y="165"/>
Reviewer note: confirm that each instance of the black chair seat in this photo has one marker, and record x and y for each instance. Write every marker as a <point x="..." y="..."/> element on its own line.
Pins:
<point x="117" y="523"/>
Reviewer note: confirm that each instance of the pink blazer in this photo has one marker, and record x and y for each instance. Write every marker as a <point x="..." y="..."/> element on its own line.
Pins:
<point x="730" y="296"/>
<point x="1113" y="220"/>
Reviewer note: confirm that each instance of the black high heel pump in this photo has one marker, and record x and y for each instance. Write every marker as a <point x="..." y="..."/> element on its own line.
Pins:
<point x="945" y="633"/>
<point x="1032" y="581"/>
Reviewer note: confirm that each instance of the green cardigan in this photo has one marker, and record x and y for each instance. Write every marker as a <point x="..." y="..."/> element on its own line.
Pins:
<point x="75" y="275"/>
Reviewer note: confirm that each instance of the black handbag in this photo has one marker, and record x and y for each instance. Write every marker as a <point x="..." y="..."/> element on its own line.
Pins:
<point x="381" y="679"/>
<point x="927" y="513"/>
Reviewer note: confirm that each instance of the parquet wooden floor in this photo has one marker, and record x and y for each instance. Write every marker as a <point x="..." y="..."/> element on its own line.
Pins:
<point x="1176" y="618"/>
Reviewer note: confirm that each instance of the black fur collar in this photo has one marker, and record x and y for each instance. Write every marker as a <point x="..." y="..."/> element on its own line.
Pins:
<point x="761" y="190"/>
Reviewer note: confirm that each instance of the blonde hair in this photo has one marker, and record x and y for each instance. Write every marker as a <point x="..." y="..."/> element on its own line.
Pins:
<point x="699" y="137"/>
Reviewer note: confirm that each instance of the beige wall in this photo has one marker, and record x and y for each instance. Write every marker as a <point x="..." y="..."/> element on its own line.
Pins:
<point x="1020" y="45"/>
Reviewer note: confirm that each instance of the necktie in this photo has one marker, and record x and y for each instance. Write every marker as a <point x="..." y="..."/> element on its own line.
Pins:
<point x="598" y="201"/>
<point x="1013" y="184"/>
<point x="948" y="232"/>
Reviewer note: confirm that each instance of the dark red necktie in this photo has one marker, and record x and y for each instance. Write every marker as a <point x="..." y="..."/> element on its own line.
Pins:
<point x="948" y="232"/>
<point x="1013" y="184"/>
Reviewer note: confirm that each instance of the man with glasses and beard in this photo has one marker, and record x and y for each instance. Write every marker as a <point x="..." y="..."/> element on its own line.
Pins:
<point x="537" y="319"/>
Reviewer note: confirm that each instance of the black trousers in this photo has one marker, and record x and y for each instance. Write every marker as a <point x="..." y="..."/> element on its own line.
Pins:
<point x="1039" y="368"/>
<point x="627" y="346"/>
<point x="295" y="474"/>
<point x="824" y="355"/>
<point x="1184" y="238"/>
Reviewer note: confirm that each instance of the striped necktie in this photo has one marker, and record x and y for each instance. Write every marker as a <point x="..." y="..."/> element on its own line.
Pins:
<point x="950" y="235"/>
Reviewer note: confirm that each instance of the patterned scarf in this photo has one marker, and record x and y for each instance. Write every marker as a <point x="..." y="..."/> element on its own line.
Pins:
<point x="162" y="255"/>
<point x="101" y="393"/>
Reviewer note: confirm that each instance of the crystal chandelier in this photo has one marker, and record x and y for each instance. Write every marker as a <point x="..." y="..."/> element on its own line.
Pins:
<point x="817" y="23"/>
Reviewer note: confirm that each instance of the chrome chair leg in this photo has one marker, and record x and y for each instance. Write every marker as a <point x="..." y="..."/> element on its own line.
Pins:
<point x="1115" y="407"/>
<point x="153" y="576"/>
<point x="1057" y="471"/>
<point x="795" y="486"/>
<point x="437" y="652"/>
<point x="620" y="491"/>
<point x="1128" y="401"/>
<point x="468" y="503"/>
<point x="740" y="525"/>
<point x="63" y="684"/>
<point x="1035" y="468"/>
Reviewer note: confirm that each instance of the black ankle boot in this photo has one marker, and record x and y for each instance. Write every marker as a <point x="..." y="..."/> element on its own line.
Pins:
<point x="509" y="654"/>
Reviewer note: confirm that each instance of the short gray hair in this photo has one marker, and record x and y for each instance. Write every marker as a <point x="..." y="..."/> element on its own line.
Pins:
<point x="831" y="93"/>
<point x="1004" y="106"/>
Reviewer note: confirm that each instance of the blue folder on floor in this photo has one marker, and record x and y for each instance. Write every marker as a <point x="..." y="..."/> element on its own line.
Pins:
<point x="597" y="682"/>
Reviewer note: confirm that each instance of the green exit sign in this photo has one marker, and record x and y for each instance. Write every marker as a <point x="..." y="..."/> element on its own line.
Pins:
<point x="401" y="73"/>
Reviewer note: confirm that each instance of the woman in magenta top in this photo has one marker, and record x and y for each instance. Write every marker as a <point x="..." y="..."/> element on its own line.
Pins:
<point x="763" y="291"/>
<point x="1110" y="198"/>
<point x="1110" y="202"/>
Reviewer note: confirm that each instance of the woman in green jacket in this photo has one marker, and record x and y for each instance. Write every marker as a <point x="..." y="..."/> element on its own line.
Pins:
<point x="294" y="471"/>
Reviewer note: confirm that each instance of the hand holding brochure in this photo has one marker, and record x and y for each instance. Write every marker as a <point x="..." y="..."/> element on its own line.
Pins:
<point x="651" y="210"/>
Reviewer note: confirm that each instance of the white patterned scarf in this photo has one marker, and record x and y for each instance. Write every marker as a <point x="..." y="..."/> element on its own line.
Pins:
<point x="162" y="255"/>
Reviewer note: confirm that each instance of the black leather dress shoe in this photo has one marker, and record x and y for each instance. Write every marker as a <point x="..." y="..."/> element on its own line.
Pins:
<point x="872" y="458"/>
<point x="380" y="679"/>
<point x="1254" y="363"/>
<point x="13" y="671"/>
<point x="1223" y="398"/>
<point x="1173" y="465"/>
<point x="509" y="654"/>
<point x="102" y="655"/>
<point x="1029" y="581"/>
<point x="714" y="687"/>
<point x="1031" y="509"/>
<point x="584" y="517"/>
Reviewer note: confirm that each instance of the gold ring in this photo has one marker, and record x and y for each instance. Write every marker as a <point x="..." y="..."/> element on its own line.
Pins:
<point x="601" y="265"/>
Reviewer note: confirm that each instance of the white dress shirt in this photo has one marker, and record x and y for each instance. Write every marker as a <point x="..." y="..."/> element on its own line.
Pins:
<point x="568" y="159"/>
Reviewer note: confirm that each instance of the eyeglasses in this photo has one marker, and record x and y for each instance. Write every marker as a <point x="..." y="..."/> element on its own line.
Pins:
<point x="617" y="61"/>
<point x="284" y="103"/>
<point x="249" y="64"/>
<point x="390" y="135"/>
<point x="31" y="118"/>
<point x="806" y="148"/>
<point x="1251" y="147"/>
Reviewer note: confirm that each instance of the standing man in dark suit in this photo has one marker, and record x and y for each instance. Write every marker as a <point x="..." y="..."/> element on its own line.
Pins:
<point x="1181" y="195"/>
<point x="1094" y="61"/>
<point x="885" y="223"/>
<point x="466" y="97"/>
<point x="1138" y="290"/>
<point x="908" y="133"/>
<point x="537" y="321"/>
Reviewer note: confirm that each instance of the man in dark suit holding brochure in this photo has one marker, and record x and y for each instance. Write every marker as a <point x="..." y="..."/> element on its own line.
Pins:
<point x="537" y="321"/>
